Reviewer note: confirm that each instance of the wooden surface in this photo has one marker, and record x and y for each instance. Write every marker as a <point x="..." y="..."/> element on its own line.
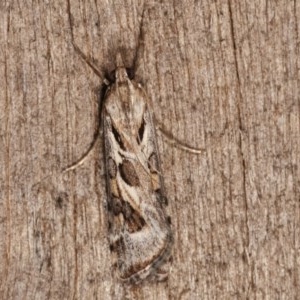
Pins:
<point x="221" y="75"/>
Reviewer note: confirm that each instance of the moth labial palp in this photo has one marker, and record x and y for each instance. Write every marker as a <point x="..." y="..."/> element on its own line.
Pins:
<point x="140" y="234"/>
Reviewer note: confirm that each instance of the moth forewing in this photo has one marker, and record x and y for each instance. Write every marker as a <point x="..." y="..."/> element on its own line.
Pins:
<point x="140" y="234"/>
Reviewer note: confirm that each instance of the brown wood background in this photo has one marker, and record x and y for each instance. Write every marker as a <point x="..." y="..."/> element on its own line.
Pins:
<point x="221" y="75"/>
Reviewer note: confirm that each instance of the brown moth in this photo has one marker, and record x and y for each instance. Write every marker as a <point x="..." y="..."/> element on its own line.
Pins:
<point x="139" y="229"/>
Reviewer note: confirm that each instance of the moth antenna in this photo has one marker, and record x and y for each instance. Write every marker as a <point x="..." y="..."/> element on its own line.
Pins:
<point x="77" y="49"/>
<point x="140" y="41"/>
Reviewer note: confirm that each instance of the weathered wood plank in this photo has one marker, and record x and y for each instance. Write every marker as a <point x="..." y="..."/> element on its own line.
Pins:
<point x="223" y="76"/>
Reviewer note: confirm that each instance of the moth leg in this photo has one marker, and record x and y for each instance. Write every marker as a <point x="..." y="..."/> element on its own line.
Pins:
<point x="84" y="156"/>
<point x="176" y="142"/>
<point x="85" y="58"/>
<point x="159" y="275"/>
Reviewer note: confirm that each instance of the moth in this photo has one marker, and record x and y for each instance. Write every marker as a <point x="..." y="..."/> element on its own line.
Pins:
<point x="139" y="230"/>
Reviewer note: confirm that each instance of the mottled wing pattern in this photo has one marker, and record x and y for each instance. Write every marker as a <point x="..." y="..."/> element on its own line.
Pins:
<point x="140" y="233"/>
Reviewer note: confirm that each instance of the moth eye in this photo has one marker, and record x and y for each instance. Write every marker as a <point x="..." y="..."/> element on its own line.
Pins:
<point x="118" y="137"/>
<point x="111" y="76"/>
<point x="141" y="132"/>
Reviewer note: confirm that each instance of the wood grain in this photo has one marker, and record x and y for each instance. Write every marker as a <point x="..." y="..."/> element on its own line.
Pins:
<point x="220" y="75"/>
